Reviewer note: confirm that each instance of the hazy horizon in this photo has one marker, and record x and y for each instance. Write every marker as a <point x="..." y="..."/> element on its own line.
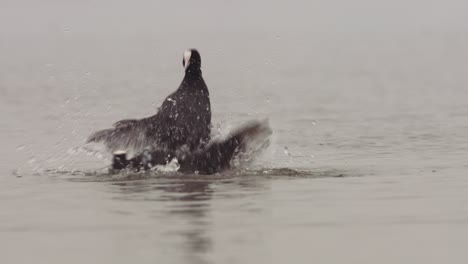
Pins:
<point x="151" y="17"/>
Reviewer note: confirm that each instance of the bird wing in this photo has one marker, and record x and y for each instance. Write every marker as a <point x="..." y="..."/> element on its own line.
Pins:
<point x="125" y="122"/>
<point x="129" y="135"/>
<point x="242" y="145"/>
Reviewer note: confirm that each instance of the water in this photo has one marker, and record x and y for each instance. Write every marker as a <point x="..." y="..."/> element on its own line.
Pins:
<point x="368" y="161"/>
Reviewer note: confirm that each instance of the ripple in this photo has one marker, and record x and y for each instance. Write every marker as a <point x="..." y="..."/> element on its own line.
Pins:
<point x="104" y="175"/>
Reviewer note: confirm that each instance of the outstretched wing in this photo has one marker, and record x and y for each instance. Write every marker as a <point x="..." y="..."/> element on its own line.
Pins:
<point x="128" y="135"/>
<point x="245" y="143"/>
<point x="126" y="122"/>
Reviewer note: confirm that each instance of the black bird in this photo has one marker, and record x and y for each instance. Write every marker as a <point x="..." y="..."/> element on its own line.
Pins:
<point x="217" y="156"/>
<point x="182" y="122"/>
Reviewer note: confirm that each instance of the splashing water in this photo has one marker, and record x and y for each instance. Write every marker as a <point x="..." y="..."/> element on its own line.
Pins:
<point x="172" y="166"/>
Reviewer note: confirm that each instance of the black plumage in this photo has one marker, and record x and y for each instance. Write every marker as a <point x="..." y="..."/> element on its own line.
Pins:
<point x="182" y="122"/>
<point x="217" y="156"/>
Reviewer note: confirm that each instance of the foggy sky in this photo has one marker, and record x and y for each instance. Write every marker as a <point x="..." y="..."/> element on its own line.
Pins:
<point x="147" y="16"/>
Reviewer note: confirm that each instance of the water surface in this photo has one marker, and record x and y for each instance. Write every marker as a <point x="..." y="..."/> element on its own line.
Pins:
<point x="368" y="161"/>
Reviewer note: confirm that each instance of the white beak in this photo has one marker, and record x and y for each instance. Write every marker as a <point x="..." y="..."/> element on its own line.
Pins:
<point x="187" y="55"/>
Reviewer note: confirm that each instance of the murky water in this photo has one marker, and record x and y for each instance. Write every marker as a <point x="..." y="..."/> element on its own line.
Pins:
<point x="368" y="164"/>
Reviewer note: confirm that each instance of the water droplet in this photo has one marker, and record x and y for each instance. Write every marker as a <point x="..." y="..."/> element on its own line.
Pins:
<point x="17" y="173"/>
<point x="286" y="151"/>
<point x="72" y="151"/>
<point x="20" y="147"/>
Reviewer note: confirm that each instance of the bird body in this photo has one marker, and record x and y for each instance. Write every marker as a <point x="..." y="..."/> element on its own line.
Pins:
<point x="181" y="130"/>
<point x="182" y="122"/>
<point x="217" y="156"/>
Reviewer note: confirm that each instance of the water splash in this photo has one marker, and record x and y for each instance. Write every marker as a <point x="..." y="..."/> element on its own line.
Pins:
<point x="172" y="166"/>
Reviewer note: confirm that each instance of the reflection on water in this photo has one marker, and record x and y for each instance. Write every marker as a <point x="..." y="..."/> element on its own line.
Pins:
<point x="188" y="201"/>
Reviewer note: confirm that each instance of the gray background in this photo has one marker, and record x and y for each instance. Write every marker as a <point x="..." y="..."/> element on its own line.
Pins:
<point x="372" y="91"/>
